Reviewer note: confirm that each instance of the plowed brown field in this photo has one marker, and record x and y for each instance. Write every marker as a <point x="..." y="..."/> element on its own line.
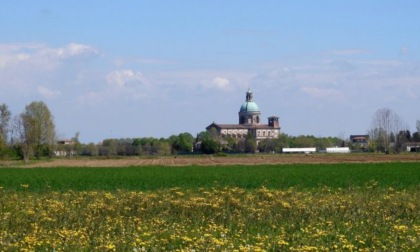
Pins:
<point x="229" y="160"/>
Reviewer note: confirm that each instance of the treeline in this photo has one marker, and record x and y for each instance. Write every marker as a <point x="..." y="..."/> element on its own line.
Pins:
<point x="185" y="143"/>
<point x="389" y="132"/>
<point x="175" y="144"/>
<point x="31" y="134"/>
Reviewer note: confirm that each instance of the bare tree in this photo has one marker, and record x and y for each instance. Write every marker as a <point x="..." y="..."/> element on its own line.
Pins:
<point x="21" y="135"/>
<point x="418" y="126"/>
<point x="385" y="126"/>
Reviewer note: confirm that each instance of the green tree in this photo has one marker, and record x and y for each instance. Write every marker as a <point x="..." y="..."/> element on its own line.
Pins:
<point x="203" y="135"/>
<point x="77" y="145"/>
<point x="303" y="141"/>
<point x="5" y="116"/>
<point x="110" y="147"/>
<point x="250" y="144"/>
<point x="209" y="146"/>
<point x="267" y="145"/>
<point x="184" y="143"/>
<point x="416" y="137"/>
<point x="164" y="148"/>
<point x="91" y="150"/>
<point x="37" y="130"/>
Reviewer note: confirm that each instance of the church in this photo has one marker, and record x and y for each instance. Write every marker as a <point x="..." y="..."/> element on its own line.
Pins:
<point x="249" y="123"/>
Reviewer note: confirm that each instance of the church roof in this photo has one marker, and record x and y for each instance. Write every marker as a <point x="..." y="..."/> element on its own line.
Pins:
<point x="249" y="105"/>
<point x="240" y="126"/>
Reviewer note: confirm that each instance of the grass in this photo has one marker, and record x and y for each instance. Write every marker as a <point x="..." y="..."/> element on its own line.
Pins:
<point x="144" y="178"/>
<point x="369" y="218"/>
<point x="301" y="207"/>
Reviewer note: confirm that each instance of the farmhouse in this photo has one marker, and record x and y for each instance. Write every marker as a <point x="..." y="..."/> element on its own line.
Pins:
<point x="65" y="148"/>
<point x="362" y="140"/>
<point x="249" y="123"/>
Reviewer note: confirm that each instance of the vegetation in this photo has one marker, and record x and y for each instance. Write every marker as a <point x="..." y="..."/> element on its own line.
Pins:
<point x="303" y="176"/>
<point x="5" y="116"/>
<point x="31" y="134"/>
<point x="389" y="132"/>
<point x="340" y="207"/>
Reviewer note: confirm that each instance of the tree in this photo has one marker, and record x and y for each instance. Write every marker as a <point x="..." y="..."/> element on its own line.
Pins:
<point x="250" y="144"/>
<point x="303" y="141"/>
<point x="183" y="143"/>
<point x="90" y="149"/>
<point x="5" y="116"/>
<point x="418" y="125"/>
<point x="36" y="130"/>
<point x="109" y="147"/>
<point x="77" y="145"/>
<point x="209" y="146"/>
<point x="403" y="137"/>
<point x="385" y="125"/>
<point x="416" y="137"/>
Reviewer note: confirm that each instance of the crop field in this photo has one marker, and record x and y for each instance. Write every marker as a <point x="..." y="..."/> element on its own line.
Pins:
<point x="282" y="207"/>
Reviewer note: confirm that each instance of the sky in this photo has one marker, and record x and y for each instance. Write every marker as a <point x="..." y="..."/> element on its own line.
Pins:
<point x="126" y="69"/>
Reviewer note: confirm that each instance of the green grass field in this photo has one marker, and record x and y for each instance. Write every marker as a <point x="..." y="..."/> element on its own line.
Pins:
<point x="303" y="176"/>
<point x="311" y="207"/>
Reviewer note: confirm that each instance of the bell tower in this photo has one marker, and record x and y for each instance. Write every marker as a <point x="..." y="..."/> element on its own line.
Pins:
<point x="273" y="121"/>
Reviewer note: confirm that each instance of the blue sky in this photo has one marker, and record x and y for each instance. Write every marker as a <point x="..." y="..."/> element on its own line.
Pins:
<point x="116" y="69"/>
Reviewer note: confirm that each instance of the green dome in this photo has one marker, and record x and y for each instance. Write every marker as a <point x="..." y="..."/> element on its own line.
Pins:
<point x="249" y="106"/>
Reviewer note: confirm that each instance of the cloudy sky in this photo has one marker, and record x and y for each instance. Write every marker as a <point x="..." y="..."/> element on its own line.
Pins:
<point x="116" y="69"/>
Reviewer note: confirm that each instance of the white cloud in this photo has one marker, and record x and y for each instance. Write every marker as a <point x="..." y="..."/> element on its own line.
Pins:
<point x="42" y="56"/>
<point x="72" y="50"/>
<point x="222" y="83"/>
<point x="48" y="93"/>
<point x="30" y="68"/>
<point x="124" y="77"/>
<point x="127" y="83"/>
<point x="217" y="83"/>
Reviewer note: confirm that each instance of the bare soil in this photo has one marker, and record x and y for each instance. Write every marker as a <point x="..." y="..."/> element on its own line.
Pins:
<point x="212" y="160"/>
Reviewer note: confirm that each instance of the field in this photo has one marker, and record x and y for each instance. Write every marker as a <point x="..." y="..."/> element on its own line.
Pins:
<point x="335" y="205"/>
<point x="229" y="160"/>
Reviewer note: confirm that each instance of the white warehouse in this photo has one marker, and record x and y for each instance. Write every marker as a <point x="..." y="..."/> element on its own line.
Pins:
<point x="338" y="150"/>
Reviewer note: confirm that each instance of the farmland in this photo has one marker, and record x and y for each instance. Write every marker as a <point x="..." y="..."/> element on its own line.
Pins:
<point x="340" y="206"/>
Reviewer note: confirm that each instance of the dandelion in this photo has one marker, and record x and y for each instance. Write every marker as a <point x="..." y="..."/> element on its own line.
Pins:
<point x="401" y="228"/>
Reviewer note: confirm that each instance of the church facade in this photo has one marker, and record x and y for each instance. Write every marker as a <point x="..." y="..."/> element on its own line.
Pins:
<point x="249" y="123"/>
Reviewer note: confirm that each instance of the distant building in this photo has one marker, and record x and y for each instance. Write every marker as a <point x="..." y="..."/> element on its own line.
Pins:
<point x="361" y="141"/>
<point x="299" y="150"/>
<point x="66" y="142"/>
<point x="337" y="150"/>
<point x="249" y="123"/>
<point x="65" y="148"/>
<point x="412" y="147"/>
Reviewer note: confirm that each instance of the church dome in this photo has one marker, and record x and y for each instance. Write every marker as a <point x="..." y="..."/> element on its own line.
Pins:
<point x="249" y="106"/>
